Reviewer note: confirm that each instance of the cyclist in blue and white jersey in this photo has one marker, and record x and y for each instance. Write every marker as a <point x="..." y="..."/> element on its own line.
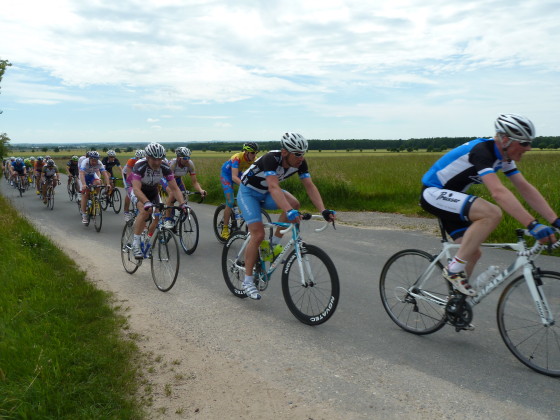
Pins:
<point x="468" y="219"/>
<point x="145" y="177"/>
<point x="17" y="168"/>
<point x="90" y="173"/>
<point x="260" y="187"/>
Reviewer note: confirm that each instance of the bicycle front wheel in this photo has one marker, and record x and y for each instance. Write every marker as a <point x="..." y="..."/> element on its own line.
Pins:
<point x="188" y="231"/>
<point x="50" y="198"/>
<point x="419" y="310"/>
<point x="116" y="201"/>
<point x="130" y="263"/>
<point x="97" y="215"/>
<point x="535" y="345"/>
<point x="314" y="299"/>
<point x="103" y="199"/>
<point x="233" y="263"/>
<point x="218" y="222"/>
<point x="165" y="259"/>
<point x="70" y="189"/>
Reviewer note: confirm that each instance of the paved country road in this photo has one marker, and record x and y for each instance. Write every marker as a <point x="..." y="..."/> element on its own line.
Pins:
<point x="249" y="359"/>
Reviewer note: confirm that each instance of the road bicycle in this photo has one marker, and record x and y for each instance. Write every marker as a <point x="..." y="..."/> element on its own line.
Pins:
<point x="20" y="184"/>
<point x="111" y="198"/>
<point x="49" y="194"/>
<point x="236" y="221"/>
<point x="161" y="249"/>
<point x="185" y="225"/>
<point x="93" y="207"/>
<point x="73" y="188"/>
<point x="310" y="282"/>
<point x="419" y="300"/>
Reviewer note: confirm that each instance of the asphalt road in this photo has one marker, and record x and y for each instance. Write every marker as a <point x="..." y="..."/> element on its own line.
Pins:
<point x="359" y="361"/>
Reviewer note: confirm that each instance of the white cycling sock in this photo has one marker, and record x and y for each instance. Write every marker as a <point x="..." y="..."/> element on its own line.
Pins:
<point x="456" y="265"/>
<point x="249" y="279"/>
<point x="136" y="239"/>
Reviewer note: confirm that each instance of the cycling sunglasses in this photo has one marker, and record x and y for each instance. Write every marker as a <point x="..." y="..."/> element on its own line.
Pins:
<point x="525" y="143"/>
<point x="297" y="154"/>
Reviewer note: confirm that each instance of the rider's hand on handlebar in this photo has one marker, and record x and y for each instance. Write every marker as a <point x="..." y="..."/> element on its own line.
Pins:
<point x="544" y="234"/>
<point x="183" y="207"/>
<point x="148" y="205"/>
<point x="293" y="216"/>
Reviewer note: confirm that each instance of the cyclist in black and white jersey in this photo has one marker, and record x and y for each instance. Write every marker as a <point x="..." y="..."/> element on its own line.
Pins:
<point x="468" y="219"/>
<point x="145" y="177"/>
<point x="260" y="187"/>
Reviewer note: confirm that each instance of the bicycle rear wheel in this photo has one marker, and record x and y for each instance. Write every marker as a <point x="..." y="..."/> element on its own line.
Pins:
<point x="165" y="259"/>
<point x="130" y="263"/>
<point x="419" y="311"/>
<point x="315" y="300"/>
<point x="233" y="263"/>
<point x="188" y="231"/>
<point x="116" y="201"/>
<point x="97" y="214"/>
<point x="534" y="344"/>
<point x="71" y="191"/>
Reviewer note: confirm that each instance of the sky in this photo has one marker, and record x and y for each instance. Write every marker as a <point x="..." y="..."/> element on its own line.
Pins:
<point x="202" y="70"/>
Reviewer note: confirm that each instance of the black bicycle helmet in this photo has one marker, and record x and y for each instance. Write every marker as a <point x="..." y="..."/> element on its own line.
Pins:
<point x="251" y="147"/>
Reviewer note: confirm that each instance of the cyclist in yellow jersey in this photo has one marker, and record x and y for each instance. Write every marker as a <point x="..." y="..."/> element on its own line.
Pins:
<point x="232" y="170"/>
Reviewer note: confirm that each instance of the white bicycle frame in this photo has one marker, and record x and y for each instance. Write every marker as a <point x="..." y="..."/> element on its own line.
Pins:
<point x="524" y="261"/>
<point x="295" y="241"/>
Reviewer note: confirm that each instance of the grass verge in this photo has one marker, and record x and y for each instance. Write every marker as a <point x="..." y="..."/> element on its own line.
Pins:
<point x="62" y="351"/>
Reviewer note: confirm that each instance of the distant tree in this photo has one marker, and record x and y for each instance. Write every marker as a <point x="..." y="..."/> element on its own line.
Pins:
<point x="105" y="149"/>
<point x="4" y="142"/>
<point x="56" y="149"/>
<point x="129" y="149"/>
<point x="45" y="149"/>
<point x="3" y="65"/>
<point x="118" y="150"/>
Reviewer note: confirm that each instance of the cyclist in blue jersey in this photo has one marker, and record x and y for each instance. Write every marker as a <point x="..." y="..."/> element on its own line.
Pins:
<point x="468" y="219"/>
<point x="260" y="187"/>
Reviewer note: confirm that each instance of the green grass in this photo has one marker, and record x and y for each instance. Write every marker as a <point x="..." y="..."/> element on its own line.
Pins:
<point x="62" y="352"/>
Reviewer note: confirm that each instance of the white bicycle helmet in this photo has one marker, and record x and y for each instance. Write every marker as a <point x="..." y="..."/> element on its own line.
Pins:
<point x="94" y="154"/>
<point x="294" y="142"/>
<point x="516" y="127"/>
<point x="183" y="152"/>
<point x="111" y="153"/>
<point x="140" y="153"/>
<point x="155" y="150"/>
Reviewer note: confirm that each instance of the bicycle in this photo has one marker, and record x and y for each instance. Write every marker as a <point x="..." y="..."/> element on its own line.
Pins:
<point x="19" y="184"/>
<point x="188" y="229"/>
<point x="236" y="221"/>
<point x="73" y="188"/>
<point x="162" y="250"/>
<point x="93" y="208"/>
<point x="419" y="300"/>
<point x="111" y="199"/>
<point x="311" y="287"/>
<point x="49" y="194"/>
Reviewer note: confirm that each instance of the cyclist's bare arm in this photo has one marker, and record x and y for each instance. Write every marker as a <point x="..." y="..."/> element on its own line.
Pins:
<point x="533" y="197"/>
<point x="314" y="195"/>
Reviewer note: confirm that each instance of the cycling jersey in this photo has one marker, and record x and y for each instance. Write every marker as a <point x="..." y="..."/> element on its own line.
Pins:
<point x="150" y="178"/>
<point x="110" y="165"/>
<point x="73" y="167"/>
<point x="466" y="165"/>
<point x="49" y="172"/>
<point x="18" y="167"/>
<point x="179" y="170"/>
<point x="236" y="161"/>
<point x="270" y="164"/>
<point x="89" y="169"/>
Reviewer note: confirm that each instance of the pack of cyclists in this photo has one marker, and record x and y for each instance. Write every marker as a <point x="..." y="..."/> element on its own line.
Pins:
<point x="467" y="219"/>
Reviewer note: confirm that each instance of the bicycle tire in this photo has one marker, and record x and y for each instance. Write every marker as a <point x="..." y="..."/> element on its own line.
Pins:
<point x="130" y="263"/>
<point x="103" y="199"/>
<point x="400" y="272"/>
<point x="315" y="302"/>
<point x="50" y="198"/>
<point x="233" y="263"/>
<point x="70" y="189"/>
<point x="535" y="345"/>
<point x="189" y="231"/>
<point x="116" y="201"/>
<point x="97" y="214"/>
<point x="218" y="223"/>
<point x="164" y="259"/>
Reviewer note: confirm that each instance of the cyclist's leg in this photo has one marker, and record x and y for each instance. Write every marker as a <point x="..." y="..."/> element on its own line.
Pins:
<point x="229" y="194"/>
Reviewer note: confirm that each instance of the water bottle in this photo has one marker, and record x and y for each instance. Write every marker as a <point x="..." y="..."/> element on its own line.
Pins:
<point x="237" y="212"/>
<point x="486" y="277"/>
